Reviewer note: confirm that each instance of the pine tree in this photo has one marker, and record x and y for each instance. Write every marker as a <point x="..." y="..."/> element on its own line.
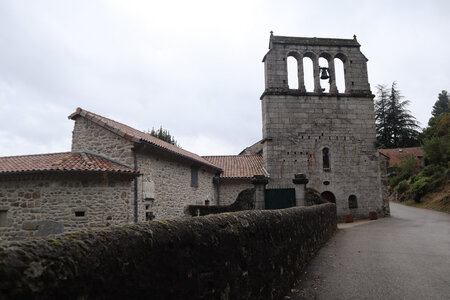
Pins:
<point x="164" y="135"/>
<point x="441" y="105"/>
<point x="396" y="127"/>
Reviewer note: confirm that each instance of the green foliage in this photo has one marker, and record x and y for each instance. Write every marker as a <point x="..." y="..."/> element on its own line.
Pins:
<point x="420" y="188"/>
<point x="441" y="105"/>
<point x="437" y="126"/>
<point x="432" y="170"/>
<point x="402" y="186"/>
<point x="437" y="150"/>
<point x="407" y="169"/>
<point x="395" y="126"/>
<point x="163" y="134"/>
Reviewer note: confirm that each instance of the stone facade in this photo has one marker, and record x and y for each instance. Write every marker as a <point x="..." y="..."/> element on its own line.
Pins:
<point x="301" y="128"/>
<point x="43" y="204"/>
<point x="165" y="177"/>
<point x="171" y="179"/>
<point x="229" y="189"/>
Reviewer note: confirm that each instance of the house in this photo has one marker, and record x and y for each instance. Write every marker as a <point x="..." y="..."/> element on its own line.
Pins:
<point x="398" y="154"/>
<point x="62" y="192"/>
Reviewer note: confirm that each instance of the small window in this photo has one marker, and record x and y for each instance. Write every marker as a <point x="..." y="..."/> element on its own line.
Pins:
<point x="194" y="176"/>
<point x="3" y="218"/>
<point x="149" y="216"/>
<point x="326" y="158"/>
<point x="80" y="214"/>
<point x="352" y="202"/>
<point x="207" y="202"/>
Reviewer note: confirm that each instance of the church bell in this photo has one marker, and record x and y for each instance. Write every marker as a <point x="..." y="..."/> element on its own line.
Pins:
<point x="325" y="73"/>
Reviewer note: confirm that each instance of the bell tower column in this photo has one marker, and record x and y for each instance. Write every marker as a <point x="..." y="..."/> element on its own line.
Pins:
<point x="333" y="87"/>
<point x="317" y="87"/>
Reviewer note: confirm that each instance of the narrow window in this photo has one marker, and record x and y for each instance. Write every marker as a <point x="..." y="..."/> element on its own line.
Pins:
<point x="308" y="74"/>
<point x="206" y="202"/>
<point x="194" y="176"/>
<point x="326" y="158"/>
<point x="80" y="214"/>
<point x="339" y="74"/>
<point x="352" y="202"/>
<point x="324" y="83"/>
<point x="3" y="218"/>
<point x="149" y="216"/>
<point x="292" y="69"/>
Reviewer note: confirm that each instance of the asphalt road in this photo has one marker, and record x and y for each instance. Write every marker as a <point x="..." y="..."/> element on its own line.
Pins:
<point x="405" y="256"/>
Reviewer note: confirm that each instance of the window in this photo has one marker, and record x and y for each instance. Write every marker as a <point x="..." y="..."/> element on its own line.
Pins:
<point x="352" y="202"/>
<point x="194" y="176"/>
<point x="80" y="214"/>
<point x="326" y="158"/>
<point x="3" y="218"/>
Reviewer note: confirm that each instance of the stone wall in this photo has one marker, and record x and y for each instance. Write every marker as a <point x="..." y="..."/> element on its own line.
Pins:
<point x="87" y="136"/>
<point x="384" y="162"/>
<point x="229" y="189"/>
<point x="173" y="192"/>
<point x="244" y="255"/>
<point x="299" y="129"/>
<point x="38" y="205"/>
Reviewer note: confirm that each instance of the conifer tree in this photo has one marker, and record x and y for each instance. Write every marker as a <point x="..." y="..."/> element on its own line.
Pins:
<point x="395" y="126"/>
<point x="164" y="135"/>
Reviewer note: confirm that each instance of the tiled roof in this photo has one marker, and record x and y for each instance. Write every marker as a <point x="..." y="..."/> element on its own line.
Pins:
<point x="137" y="136"/>
<point x="396" y="155"/>
<point x="238" y="166"/>
<point x="67" y="161"/>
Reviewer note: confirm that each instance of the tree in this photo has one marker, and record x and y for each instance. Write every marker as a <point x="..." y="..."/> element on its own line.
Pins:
<point x="163" y="134"/>
<point x="395" y="126"/>
<point x="441" y="105"/>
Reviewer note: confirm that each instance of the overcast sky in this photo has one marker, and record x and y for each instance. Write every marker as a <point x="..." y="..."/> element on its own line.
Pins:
<point x="193" y="67"/>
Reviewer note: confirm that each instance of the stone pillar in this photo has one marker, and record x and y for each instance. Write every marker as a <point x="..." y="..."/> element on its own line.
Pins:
<point x="260" y="181"/>
<point x="300" y="182"/>
<point x="316" y="72"/>
<point x="300" y="74"/>
<point x="333" y="87"/>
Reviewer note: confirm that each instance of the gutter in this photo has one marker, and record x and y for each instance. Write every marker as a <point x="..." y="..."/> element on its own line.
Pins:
<point x="135" y="188"/>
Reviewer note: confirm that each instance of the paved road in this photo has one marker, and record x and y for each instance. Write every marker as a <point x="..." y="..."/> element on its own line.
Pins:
<point x="405" y="256"/>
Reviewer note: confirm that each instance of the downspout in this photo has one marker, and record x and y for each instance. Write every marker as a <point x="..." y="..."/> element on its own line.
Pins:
<point x="217" y="180"/>
<point x="135" y="188"/>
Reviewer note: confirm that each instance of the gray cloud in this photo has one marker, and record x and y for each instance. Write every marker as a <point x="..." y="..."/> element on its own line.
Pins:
<point x="193" y="67"/>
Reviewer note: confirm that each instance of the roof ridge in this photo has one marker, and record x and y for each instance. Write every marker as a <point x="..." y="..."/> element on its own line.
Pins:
<point x="138" y="136"/>
<point x="233" y="155"/>
<point x="28" y="155"/>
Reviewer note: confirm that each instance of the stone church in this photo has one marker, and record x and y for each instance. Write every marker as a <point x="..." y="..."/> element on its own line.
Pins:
<point x="115" y="174"/>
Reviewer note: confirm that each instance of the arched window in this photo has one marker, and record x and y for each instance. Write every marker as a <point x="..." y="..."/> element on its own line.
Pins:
<point x="325" y="158"/>
<point x="340" y="62"/>
<point x="292" y="70"/>
<point x="324" y="83"/>
<point x="339" y="74"/>
<point x="308" y="73"/>
<point x="352" y="202"/>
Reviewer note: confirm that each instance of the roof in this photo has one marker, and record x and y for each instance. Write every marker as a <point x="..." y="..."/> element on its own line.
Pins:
<point x="57" y="162"/>
<point x="396" y="155"/>
<point x="238" y="166"/>
<point x="137" y="136"/>
<point x="314" y="41"/>
<point x="255" y="149"/>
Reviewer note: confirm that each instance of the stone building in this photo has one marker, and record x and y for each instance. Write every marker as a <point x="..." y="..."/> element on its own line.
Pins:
<point x="326" y="134"/>
<point x="116" y="175"/>
<point x="62" y="192"/>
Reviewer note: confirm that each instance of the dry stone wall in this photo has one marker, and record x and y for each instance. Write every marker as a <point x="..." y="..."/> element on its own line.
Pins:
<point x="40" y="205"/>
<point x="245" y="255"/>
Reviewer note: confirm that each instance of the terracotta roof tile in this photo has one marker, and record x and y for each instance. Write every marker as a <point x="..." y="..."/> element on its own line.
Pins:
<point x="396" y="155"/>
<point x="66" y="161"/>
<point x="238" y="166"/>
<point x="137" y="136"/>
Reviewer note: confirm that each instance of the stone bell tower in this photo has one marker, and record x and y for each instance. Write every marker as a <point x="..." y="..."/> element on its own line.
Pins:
<point x="329" y="136"/>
